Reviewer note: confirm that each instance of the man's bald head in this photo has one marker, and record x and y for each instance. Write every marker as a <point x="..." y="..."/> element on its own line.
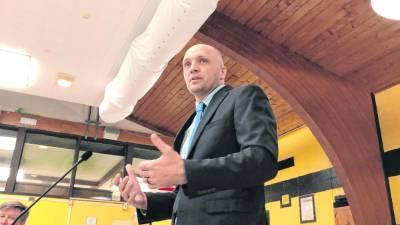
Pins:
<point x="217" y="53"/>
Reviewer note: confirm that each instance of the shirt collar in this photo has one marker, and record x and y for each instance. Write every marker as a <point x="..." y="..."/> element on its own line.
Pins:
<point x="209" y="97"/>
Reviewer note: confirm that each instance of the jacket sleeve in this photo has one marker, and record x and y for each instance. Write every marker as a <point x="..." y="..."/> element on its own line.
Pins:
<point x="256" y="160"/>
<point x="159" y="207"/>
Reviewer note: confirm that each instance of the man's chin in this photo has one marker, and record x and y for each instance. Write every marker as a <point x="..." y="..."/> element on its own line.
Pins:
<point x="195" y="89"/>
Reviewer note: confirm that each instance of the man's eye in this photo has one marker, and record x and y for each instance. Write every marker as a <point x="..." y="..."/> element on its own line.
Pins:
<point x="203" y="60"/>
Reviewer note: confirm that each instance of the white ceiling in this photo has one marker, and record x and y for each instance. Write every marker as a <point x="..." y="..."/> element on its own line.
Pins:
<point x="83" y="38"/>
<point x="87" y="39"/>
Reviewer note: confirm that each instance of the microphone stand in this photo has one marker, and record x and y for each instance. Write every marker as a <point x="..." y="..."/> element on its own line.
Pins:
<point x="84" y="157"/>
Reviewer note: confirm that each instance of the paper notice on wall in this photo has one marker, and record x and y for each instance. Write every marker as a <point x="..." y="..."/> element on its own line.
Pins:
<point x="307" y="211"/>
<point x="91" y="220"/>
<point x="121" y="222"/>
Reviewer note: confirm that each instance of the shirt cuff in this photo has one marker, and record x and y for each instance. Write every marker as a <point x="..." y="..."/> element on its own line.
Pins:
<point x="143" y="212"/>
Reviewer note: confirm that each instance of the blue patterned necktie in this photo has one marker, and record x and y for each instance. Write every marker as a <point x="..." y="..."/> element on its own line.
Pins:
<point x="196" y="121"/>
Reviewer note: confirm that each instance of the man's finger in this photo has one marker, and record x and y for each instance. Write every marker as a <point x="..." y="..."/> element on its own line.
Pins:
<point x="117" y="179"/>
<point x="139" y="199"/>
<point x="132" y="178"/>
<point x="123" y="183"/>
<point x="160" y="144"/>
<point x="131" y="200"/>
<point x="122" y="187"/>
<point x="129" y="170"/>
<point x="145" y="166"/>
<point x="144" y="174"/>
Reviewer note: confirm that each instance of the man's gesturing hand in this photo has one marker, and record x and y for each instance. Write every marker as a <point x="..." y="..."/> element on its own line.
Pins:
<point x="167" y="170"/>
<point x="130" y="189"/>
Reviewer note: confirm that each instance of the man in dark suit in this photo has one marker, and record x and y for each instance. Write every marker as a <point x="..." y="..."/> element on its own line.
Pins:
<point x="220" y="159"/>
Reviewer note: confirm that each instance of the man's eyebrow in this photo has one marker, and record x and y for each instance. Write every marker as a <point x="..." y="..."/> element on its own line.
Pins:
<point x="195" y="57"/>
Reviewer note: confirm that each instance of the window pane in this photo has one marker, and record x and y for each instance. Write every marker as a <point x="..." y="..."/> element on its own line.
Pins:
<point x="94" y="177"/>
<point x="8" y="139"/>
<point x="142" y="155"/>
<point x="44" y="160"/>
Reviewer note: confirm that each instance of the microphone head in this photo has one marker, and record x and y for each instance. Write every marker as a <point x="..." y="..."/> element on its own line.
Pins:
<point x="86" y="156"/>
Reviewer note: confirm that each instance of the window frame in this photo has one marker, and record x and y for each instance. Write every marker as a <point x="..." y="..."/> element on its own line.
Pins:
<point x="129" y="151"/>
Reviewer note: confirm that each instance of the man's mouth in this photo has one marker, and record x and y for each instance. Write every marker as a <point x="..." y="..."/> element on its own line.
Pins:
<point x="195" y="78"/>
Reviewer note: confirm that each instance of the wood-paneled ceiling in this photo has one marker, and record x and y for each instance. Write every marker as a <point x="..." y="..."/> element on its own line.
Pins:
<point x="344" y="37"/>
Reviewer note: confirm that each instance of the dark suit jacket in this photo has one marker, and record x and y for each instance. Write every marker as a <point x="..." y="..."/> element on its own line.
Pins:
<point x="233" y="153"/>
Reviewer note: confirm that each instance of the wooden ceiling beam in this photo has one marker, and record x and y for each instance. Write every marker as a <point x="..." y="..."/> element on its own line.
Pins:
<point x="74" y="128"/>
<point x="339" y="112"/>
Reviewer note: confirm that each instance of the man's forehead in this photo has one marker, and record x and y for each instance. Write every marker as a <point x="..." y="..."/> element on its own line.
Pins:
<point x="200" y="50"/>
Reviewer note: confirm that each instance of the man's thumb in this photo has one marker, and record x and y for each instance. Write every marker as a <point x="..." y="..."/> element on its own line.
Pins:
<point x="160" y="144"/>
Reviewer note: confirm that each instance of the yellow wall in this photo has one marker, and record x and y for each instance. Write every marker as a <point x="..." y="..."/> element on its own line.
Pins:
<point x="164" y="222"/>
<point x="388" y="109"/>
<point x="309" y="157"/>
<point x="51" y="211"/>
<point x="106" y="213"/>
<point x="394" y="183"/>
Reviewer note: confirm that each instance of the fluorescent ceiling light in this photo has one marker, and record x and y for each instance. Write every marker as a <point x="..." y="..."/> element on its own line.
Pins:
<point x="64" y="83"/>
<point x="7" y="143"/>
<point x="64" y="80"/>
<point x="387" y="8"/>
<point x="14" y="69"/>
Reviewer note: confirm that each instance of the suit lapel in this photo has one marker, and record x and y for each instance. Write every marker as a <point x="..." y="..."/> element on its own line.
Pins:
<point x="210" y="110"/>
<point x="181" y="133"/>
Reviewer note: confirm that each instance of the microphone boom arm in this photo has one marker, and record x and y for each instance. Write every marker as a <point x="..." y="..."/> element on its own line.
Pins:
<point x="84" y="157"/>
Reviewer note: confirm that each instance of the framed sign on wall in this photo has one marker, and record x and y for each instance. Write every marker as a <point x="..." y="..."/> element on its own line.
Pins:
<point x="307" y="209"/>
<point x="285" y="201"/>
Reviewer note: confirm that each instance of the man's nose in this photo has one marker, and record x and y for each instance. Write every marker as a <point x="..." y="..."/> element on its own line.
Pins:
<point x="194" y="68"/>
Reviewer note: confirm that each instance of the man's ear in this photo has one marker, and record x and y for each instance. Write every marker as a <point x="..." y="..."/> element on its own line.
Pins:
<point x="223" y="73"/>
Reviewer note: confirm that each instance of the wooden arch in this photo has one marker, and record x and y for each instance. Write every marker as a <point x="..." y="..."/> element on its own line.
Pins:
<point x="339" y="112"/>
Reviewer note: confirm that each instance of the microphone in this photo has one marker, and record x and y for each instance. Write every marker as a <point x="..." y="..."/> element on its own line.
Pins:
<point x="85" y="156"/>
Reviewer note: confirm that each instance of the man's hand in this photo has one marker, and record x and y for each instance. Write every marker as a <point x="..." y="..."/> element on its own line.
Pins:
<point x="167" y="170"/>
<point x="130" y="189"/>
